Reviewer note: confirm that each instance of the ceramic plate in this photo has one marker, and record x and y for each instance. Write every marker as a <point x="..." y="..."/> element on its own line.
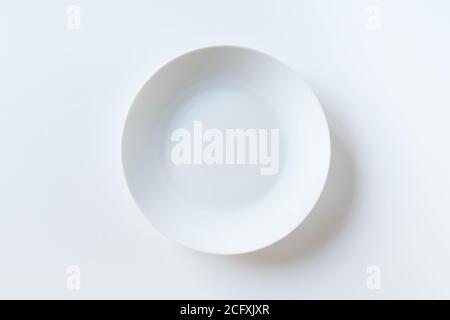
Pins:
<point x="225" y="150"/>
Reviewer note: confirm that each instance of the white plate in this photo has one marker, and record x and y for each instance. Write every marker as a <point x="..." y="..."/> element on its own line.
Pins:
<point x="225" y="208"/>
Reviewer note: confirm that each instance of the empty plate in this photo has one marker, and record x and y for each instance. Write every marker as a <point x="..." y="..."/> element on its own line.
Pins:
<point x="225" y="150"/>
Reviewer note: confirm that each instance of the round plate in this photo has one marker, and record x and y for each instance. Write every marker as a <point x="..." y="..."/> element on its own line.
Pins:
<point x="225" y="150"/>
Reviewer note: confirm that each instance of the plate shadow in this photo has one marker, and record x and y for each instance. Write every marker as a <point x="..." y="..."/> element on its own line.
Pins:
<point x="326" y="219"/>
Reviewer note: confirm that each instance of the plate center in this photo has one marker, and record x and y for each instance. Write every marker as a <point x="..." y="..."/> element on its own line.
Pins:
<point x="221" y="145"/>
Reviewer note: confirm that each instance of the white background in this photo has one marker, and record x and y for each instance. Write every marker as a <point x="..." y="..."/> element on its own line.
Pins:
<point x="65" y="94"/>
